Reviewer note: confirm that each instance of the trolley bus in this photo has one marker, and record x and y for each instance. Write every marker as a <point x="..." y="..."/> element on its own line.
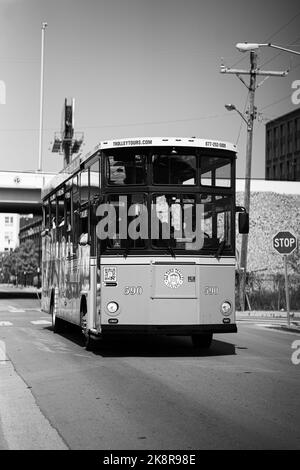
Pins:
<point x="139" y="237"/>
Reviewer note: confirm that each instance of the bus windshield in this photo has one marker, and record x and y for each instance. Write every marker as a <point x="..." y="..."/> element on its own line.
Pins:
<point x="183" y="222"/>
<point x="175" y="199"/>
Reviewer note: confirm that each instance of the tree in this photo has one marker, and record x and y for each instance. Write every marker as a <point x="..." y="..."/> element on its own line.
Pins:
<point x="24" y="259"/>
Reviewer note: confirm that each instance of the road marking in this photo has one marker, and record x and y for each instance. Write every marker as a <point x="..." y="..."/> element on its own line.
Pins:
<point x="41" y="322"/>
<point x="5" y="323"/>
<point x="13" y="309"/>
<point x="3" y="357"/>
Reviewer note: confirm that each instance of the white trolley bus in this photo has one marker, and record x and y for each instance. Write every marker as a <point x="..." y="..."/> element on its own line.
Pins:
<point x="139" y="237"/>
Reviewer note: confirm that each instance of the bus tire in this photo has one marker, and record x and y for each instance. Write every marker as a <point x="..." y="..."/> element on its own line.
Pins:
<point x="57" y="323"/>
<point x="202" y="341"/>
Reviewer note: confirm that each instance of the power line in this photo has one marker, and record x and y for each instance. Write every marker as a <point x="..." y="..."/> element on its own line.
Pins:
<point x="276" y="55"/>
<point x="241" y="123"/>
<point x="271" y="36"/>
<point x="276" y="102"/>
<point x="281" y="99"/>
<point x="282" y="27"/>
<point x="124" y="125"/>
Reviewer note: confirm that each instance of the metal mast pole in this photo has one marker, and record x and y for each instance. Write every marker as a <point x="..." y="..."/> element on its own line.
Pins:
<point x="253" y="72"/>
<point x="44" y="25"/>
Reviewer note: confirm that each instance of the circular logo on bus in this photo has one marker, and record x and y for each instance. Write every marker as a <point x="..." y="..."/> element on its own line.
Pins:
<point x="173" y="278"/>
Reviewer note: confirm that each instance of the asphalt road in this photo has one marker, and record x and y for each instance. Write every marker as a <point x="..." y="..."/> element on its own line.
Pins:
<point x="144" y="393"/>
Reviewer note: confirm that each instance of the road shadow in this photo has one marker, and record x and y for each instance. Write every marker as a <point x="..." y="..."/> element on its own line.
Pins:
<point x="18" y="295"/>
<point x="147" y="345"/>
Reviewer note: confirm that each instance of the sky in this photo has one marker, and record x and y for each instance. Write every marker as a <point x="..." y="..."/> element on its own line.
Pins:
<point x="139" y="68"/>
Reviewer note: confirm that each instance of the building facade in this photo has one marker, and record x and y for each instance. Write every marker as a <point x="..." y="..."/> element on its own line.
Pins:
<point x="283" y="147"/>
<point x="9" y="231"/>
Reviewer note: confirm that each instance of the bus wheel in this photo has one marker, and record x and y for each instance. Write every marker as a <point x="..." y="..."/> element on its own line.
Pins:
<point x="202" y="341"/>
<point x="57" y="323"/>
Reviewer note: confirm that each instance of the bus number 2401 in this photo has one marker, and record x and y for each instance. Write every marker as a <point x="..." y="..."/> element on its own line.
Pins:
<point x="133" y="290"/>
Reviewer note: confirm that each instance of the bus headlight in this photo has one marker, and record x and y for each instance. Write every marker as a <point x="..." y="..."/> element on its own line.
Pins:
<point x="112" y="307"/>
<point x="226" y="308"/>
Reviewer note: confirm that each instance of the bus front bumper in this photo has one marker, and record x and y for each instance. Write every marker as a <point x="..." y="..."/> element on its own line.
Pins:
<point x="174" y="330"/>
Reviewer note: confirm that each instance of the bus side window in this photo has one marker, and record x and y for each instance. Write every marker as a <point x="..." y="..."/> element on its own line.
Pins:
<point x="94" y="180"/>
<point x="75" y="210"/>
<point x="84" y="186"/>
<point x="46" y="216"/>
<point x="68" y="221"/>
<point x="84" y="223"/>
<point x="60" y="216"/>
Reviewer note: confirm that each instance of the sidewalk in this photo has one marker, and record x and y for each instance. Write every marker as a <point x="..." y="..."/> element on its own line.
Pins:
<point x="279" y="318"/>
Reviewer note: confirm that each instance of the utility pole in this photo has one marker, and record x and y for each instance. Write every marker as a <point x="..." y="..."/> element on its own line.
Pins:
<point x="44" y="25"/>
<point x="253" y="72"/>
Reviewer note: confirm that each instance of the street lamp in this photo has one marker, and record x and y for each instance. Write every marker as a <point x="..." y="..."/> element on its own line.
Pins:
<point x="247" y="46"/>
<point x="231" y="107"/>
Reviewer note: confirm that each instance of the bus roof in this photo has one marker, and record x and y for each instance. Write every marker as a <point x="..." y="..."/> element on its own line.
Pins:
<point x="136" y="142"/>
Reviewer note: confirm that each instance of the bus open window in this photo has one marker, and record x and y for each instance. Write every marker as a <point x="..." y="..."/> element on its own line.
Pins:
<point x="94" y="181"/>
<point x="217" y="221"/>
<point x="125" y="168"/>
<point x="124" y="225"/>
<point x="173" y="221"/>
<point x="83" y="181"/>
<point x="215" y="171"/>
<point x="60" y="213"/>
<point x="68" y="214"/>
<point x="174" y="169"/>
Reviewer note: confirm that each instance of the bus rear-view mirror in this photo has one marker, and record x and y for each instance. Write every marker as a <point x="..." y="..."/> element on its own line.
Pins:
<point x="243" y="222"/>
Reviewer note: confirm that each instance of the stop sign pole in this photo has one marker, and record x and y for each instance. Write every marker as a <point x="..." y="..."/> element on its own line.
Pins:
<point x="285" y="243"/>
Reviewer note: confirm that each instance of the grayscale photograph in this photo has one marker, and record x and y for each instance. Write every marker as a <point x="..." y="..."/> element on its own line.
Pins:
<point x="149" y="229"/>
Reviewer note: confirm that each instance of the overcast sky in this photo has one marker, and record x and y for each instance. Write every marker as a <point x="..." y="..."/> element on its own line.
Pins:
<point x="139" y="68"/>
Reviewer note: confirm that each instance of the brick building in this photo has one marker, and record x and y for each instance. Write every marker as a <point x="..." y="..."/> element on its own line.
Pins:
<point x="283" y="147"/>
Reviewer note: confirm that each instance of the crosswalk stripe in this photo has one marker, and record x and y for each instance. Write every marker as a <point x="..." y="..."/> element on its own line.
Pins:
<point x="41" y="322"/>
<point x="5" y="323"/>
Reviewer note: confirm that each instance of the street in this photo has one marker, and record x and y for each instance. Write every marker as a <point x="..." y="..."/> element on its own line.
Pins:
<point x="144" y="393"/>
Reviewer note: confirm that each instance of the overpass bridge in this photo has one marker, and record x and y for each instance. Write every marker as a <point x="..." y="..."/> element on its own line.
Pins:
<point x="20" y="191"/>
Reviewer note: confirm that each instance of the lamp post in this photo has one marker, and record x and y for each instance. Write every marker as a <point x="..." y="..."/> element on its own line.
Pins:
<point x="44" y="25"/>
<point x="246" y="46"/>
<point x="232" y="107"/>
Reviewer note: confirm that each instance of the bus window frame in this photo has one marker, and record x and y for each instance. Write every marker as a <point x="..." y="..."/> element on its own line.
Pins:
<point x="152" y="154"/>
<point x="213" y="154"/>
<point x="106" y="166"/>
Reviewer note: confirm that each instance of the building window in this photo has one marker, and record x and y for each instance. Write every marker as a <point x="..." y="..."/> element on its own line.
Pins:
<point x="290" y="136"/>
<point x="282" y="139"/>
<point x="8" y="220"/>
<point x="297" y="134"/>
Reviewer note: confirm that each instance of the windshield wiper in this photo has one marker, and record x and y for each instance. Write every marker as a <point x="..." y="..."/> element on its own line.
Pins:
<point x="126" y="249"/>
<point x="171" y="250"/>
<point x="220" y="249"/>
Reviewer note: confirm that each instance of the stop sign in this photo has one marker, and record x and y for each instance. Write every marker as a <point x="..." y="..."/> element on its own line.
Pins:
<point x="284" y="242"/>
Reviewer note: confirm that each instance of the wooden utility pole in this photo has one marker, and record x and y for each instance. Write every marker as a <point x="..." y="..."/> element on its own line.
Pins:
<point x="253" y="73"/>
